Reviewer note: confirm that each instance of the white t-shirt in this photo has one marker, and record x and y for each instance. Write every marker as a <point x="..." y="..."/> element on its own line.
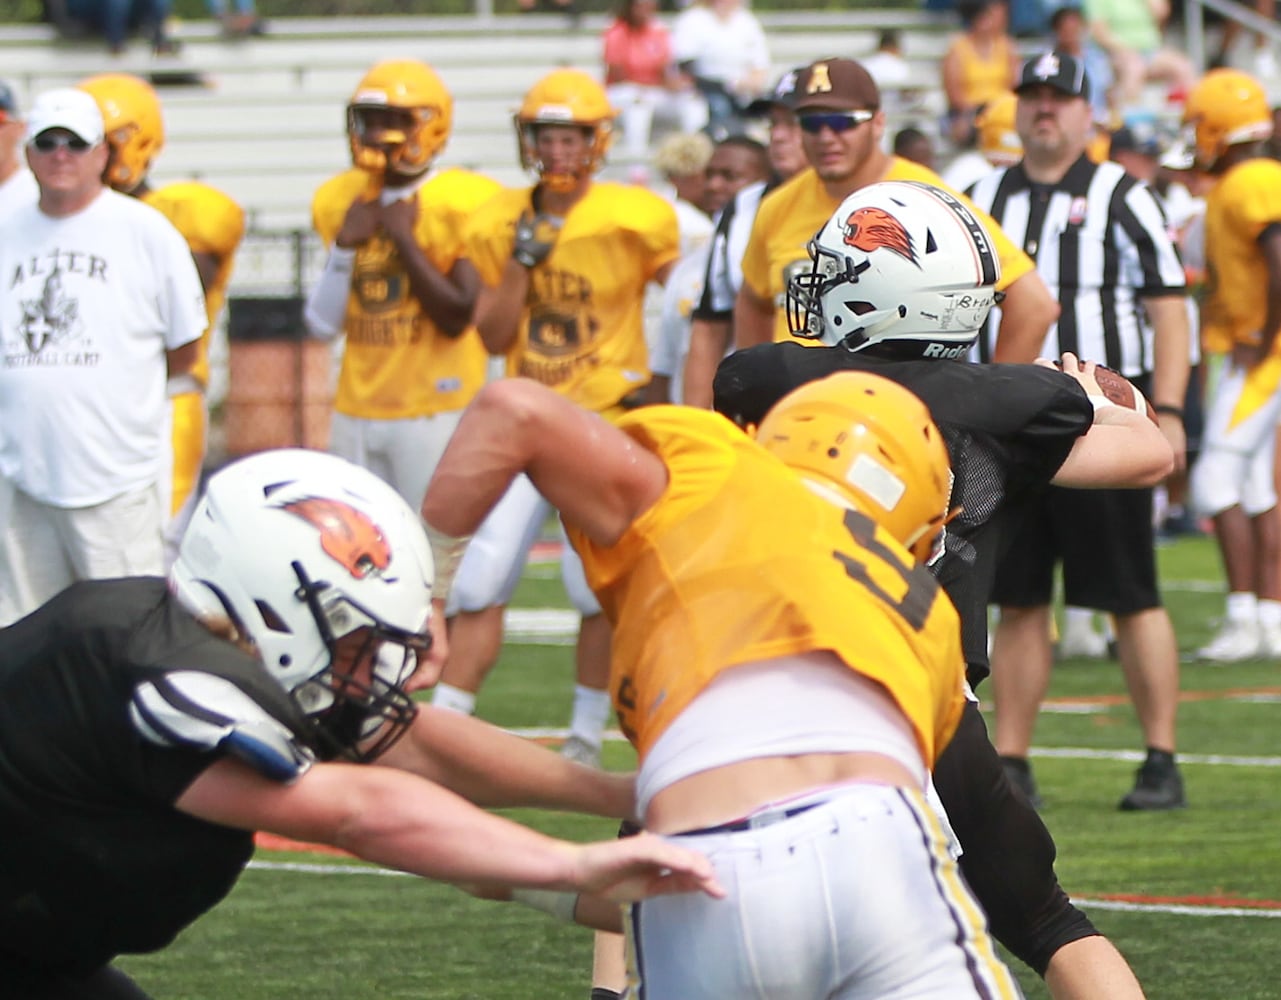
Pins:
<point x="720" y="50"/>
<point x="89" y="304"/>
<point x="20" y="189"/>
<point x="670" y="347"/>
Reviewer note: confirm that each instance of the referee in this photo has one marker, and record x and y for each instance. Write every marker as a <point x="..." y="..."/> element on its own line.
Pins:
<point x="1100" y="242"/>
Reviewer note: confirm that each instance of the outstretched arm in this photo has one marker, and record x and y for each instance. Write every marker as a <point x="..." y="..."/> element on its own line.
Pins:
<point x="395" y="819"/>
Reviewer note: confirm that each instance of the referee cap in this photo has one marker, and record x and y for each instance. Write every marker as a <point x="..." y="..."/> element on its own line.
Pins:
<point x="1063" y="72"/>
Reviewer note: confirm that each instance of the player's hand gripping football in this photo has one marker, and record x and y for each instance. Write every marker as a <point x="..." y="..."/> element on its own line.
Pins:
<point x="535" y="236"/>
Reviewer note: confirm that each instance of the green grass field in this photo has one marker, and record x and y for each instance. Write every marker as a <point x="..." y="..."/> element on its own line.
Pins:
<point x="1193" y="898"/>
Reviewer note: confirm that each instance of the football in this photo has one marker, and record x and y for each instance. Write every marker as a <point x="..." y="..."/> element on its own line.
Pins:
<point x="1122" y="391"/>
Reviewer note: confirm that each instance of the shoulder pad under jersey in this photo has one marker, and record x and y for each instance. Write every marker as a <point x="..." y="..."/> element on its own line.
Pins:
<point x="205" y="712"/>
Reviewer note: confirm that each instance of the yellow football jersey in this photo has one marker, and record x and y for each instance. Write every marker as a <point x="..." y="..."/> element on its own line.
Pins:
<point x="1245" y="201"/>
<point x="397" y="363"/>
<point x="712" y="577"/>
<point x="211" y="223"/>
<point x="790" y="216"/>
<point x="582" y="330"/>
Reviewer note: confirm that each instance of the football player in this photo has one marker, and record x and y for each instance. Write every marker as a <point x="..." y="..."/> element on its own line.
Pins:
<point x="900" y="279"/>
<point x="564" y="266"/>
<point x="213" y="226"/>
<point x="394" y="282"/>
<point x="175" y="719"/>
<point x="786" y="690"/>
<point x="1232" y="480"/>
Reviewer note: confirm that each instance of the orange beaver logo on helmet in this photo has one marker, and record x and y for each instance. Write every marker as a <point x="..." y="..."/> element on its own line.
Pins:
<point x="870" y="228"/>
<point x="346" y="534"/>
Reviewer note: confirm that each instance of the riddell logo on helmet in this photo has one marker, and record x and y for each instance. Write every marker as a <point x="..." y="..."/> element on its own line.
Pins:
<point x="871" y="228"/>
<point x="947" y="352"/>
<point x="347" y="535"/>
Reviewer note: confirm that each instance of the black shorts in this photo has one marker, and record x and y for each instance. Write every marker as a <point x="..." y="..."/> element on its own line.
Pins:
<point x="31" y="983"/>
<point x="1103" y="538"/>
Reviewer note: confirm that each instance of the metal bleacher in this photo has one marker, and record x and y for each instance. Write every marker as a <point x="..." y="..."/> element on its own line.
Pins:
<point x="263" y="119"/>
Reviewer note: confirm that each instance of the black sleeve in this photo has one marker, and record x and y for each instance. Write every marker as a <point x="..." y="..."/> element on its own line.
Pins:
<point x="749" y="382"/>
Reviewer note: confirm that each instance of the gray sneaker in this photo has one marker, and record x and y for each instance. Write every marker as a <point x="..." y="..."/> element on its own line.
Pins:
<point x="1157" y="785"/>
<point x="580" y="751"/>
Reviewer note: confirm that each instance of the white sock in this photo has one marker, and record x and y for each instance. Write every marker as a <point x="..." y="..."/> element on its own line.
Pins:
<point x="591" y="710"/>
<point x="1242" y="606"/>
<point x="454" y="699"/>
<point x="1270" y="614"/>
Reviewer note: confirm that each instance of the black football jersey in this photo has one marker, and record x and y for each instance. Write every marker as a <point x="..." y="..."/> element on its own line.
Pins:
<point x="1008" y="428"/>
<point x="113" y="699"/>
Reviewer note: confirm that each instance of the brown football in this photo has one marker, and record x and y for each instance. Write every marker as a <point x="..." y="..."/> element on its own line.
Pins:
<point x="1122" y="391"/>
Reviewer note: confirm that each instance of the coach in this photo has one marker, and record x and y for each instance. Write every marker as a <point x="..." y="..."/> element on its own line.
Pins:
<point x="1100" y="243"/>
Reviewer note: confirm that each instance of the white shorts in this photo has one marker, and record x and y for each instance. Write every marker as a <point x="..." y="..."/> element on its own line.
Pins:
<point x="44" y="549"/>
<point x="853" y="899"/>
<point x="403" y="453"/>
<point x="1235" y="466"/>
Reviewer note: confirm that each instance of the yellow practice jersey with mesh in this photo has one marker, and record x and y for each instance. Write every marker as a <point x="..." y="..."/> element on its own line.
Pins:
<point x="397" y="363"/>
<point x="211" y="223"/>
<point x="582" y="330"/>
<point x="791" y="215"/>
<point x="1245" y="201"/>
<point x="740" y="561"/>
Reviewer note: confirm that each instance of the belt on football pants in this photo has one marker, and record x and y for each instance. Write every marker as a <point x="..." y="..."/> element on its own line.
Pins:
<point x="754" y="822"/>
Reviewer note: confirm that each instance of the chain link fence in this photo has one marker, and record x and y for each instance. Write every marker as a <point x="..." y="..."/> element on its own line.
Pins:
<point x="270" y="385"/>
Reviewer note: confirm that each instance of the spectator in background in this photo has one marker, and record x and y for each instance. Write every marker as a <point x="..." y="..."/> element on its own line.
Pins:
<point x="642" y="81"/>
<point x="115" y="19"/>
<point x="912" y="144"/>
<point x="998" y="141"/>
<point x="900" y="94"/>
<point x="736" y="162"/>
<point x="394" y="282"/>
<point x="1265" y="60"/>
<point x="1130" y="32"/>
<point x="980" y="63"/>
<point x="682" y="160"/>
<point x="1072" y="37"/>
<point x="102" y="303"/>
<point x="241" y="24"/>
<point x="212" y="224"/>
<point x="721" y="45"/>
<point x="17" y="183"/>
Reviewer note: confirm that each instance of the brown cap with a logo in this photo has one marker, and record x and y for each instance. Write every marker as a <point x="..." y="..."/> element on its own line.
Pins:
<point x="837" y="84"/>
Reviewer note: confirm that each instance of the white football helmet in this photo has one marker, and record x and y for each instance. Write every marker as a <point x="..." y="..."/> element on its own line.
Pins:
<point x="902" y="266"/>
<point x="298" y="549"/>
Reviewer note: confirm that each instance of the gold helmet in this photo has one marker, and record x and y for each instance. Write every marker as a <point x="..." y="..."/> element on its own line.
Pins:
<point x="998" y="139"/>
<point x="133" y="124"/>
<point x="409" y="144"/>
<point x="565" y="97"/>
<point x="1226" y="108"/>
<point x="874" y="444"/>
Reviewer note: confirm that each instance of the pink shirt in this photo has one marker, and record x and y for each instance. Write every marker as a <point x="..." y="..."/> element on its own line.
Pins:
<point x="637" y="55"/>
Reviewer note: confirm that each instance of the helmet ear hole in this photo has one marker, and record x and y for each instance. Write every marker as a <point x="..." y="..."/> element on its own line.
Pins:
<point x="271" y="618"/>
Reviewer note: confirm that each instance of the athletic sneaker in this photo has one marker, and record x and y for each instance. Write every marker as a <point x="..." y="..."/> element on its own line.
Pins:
<point x="1019" y="772"/>
<point x="1082" y="642"/>
<point x="1270" y="641"/>
<point x="1157" y="785"/>
<point x="1236" y="641"/>
<point x="580" y="751"/>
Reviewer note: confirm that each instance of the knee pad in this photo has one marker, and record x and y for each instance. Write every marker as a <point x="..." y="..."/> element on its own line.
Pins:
<point x="1008" y="857"/>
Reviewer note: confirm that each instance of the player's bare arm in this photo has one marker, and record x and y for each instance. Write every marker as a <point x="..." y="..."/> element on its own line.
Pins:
<point x="1171" y="351"/>
<point x="180" y="360"/>
<point x="708" y="342"/>
<point x="359" y="224"/>
<point x="399" y="820"/>
<point x="594" y="474"/>
<point x="1026" y="315"/>
<point x="753" y="319"/>
<point x="448" y="299"/>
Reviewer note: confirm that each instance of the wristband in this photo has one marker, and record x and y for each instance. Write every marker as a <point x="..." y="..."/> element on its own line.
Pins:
<point x="560" y="905"/>
<point x="446" y="553"/>
<point x="1169" y="409"/>
<point x="1100" y="402"/>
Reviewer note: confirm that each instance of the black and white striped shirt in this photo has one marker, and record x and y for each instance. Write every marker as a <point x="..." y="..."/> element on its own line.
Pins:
<point x="1101" y="244"/>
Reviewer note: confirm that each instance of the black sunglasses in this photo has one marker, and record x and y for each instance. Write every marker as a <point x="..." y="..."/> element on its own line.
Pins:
<point x="837" y="121"/>
<point x="48" y="143"/>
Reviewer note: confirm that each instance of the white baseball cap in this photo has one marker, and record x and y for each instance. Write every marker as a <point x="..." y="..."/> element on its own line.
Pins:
<point x="68" y="108"/>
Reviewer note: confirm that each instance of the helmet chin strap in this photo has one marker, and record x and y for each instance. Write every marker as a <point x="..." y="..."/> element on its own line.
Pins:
<point x="870" y="332"/>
